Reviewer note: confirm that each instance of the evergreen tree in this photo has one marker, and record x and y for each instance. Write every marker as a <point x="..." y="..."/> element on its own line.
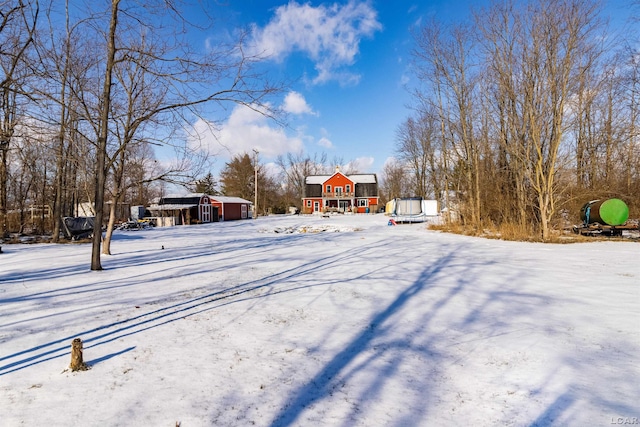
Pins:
<point x="238" y="177"/>
<point x="207" y="185"/>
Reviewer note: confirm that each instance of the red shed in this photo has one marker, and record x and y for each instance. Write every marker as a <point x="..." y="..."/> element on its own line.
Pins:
<point x="192" y="208"/>
<point x="231" y="208"/>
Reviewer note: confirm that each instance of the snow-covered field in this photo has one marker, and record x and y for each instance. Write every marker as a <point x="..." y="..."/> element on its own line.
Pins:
<point x="308" y="321"/>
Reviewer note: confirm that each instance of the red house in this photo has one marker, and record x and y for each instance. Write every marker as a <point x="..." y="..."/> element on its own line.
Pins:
<point x="356" y="193"/>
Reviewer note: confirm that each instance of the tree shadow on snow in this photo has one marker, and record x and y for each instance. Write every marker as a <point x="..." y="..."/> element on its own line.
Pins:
<point x="595" y="385"/>
<point x="231" y="251"/>
<point x="325" y="381"/>
<point x="94" y="362"/>
<point x="271" y="284"/>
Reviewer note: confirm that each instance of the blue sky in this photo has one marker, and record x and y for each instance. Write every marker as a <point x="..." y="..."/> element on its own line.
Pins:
<point x="349" y="62"/>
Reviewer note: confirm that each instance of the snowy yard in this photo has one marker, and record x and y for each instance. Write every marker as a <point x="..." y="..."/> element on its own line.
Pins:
<point x="309" y="321"/>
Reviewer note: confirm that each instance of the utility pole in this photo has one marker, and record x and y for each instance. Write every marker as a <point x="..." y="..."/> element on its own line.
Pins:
<point x="255" y="186"/>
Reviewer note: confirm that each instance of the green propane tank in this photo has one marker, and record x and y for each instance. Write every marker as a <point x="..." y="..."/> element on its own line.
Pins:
<point x="605" y="212"/>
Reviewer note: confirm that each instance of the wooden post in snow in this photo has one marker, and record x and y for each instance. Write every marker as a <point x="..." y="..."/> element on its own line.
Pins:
<point x="77" y="364"/>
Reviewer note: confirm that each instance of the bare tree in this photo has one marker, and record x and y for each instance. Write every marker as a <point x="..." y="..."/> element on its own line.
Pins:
<point x="295" y="168"/>
<point x="102" y="133"/>
<point x="417" y="146"/>
<point x="500" y="30"/>
<point x="137" y="103"/>
<point x="631" y="99"/>
<point x="394" y="181"/>
<point x="65" y="60"/>
<point x="18" y="21"/>
<point x="536" y="55"/>
<point x="445" y="60"/>
<point x="556" y="37"/>
<point x="151" y="73"/>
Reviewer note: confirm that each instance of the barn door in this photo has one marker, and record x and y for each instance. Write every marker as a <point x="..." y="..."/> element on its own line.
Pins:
<point x="205" y="213"/>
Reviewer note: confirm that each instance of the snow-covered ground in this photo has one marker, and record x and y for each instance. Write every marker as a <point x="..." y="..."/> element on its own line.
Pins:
<point x="308" y="321"/>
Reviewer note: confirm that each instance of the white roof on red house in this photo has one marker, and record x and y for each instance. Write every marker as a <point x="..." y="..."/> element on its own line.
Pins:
<point x="368" y="178"/>
<point x="317" y="179"/>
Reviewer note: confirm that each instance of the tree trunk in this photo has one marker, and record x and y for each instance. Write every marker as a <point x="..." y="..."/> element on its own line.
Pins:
<point x="60" y="149"/>
<point x="101" y="171"/>
<point x="4" y="229"/>
<point x="57" y="202"/>
<point x="106" y="244"/>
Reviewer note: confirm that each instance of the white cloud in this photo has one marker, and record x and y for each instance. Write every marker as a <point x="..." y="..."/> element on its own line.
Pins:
<point x="404" y="80"/>
<point x="325" y="142"/>
<point x="362" y="164"/>
<point x="329" y="35"/>
<point x="271" y="169"/>
<point x="390" y="161"/>
<point x="244" y="131"/>
<point x="295" y="103"/>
